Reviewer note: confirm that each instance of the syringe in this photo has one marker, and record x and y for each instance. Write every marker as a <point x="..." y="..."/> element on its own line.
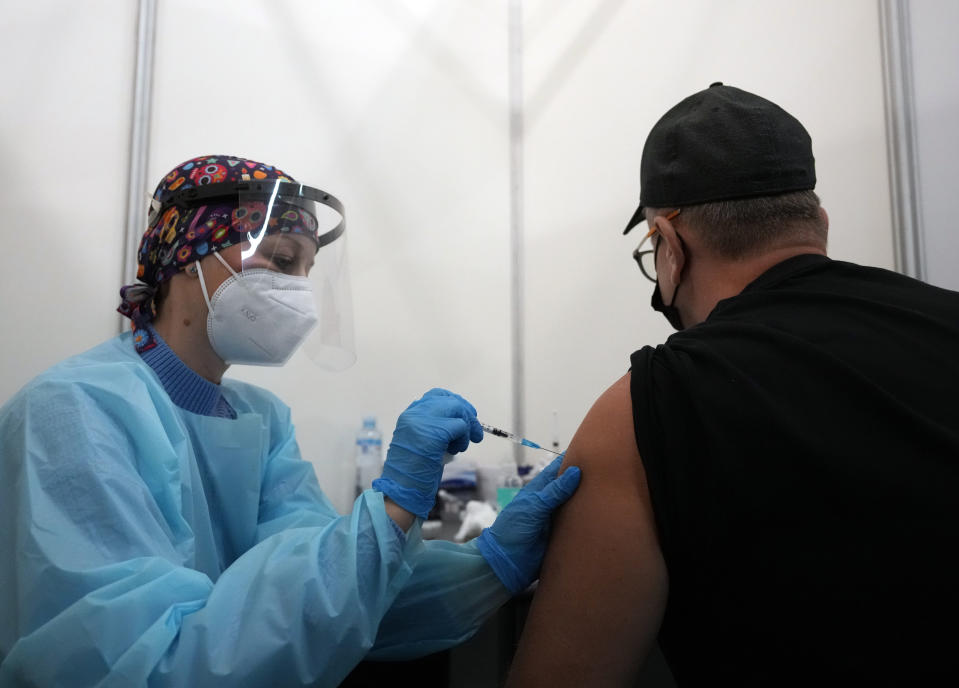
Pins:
<point x="513" y="438"/>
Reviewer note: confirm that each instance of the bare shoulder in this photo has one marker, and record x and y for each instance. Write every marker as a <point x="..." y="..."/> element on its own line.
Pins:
<point x="605" y="441"/>
<point x="613" y="501"/>
<point x="603" y="585"/>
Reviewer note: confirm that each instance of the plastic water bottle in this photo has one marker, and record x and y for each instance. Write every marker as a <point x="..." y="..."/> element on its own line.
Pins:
<point x="369" y="454"/>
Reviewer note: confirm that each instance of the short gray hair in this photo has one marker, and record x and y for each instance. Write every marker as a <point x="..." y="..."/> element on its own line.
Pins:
<point x="747" y="226"/>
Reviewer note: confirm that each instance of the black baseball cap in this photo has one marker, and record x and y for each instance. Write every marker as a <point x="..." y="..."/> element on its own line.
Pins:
<point x="720" y="144"/>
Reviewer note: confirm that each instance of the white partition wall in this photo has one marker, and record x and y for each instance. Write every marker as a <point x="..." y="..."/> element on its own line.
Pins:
<point x="65" y="126"/>
<point x="401" y="109"/>
<point x="598" y="76"/>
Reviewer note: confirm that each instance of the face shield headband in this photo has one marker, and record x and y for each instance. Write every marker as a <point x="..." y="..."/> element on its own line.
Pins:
<point x="258" y="208"/>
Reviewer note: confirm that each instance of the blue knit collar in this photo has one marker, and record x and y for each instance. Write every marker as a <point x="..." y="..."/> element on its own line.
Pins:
<point x="186" y="388"/>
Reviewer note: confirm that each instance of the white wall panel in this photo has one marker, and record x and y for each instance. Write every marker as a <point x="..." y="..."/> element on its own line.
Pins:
<point x="935" y="61"/>
<point x="65" y="114"/>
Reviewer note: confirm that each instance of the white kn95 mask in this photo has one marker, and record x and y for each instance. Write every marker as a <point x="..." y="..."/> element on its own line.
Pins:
<point x="259" y="317"/>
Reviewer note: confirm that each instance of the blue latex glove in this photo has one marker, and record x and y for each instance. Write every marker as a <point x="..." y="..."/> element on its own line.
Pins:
<point x="438" y="423"/>
<point x="516" y="542"/>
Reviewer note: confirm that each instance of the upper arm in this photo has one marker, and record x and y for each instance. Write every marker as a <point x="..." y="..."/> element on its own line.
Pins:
<point x="603" y="586"/>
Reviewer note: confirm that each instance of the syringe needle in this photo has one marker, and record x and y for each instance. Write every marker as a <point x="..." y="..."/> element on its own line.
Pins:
<point x="513" y="438"/>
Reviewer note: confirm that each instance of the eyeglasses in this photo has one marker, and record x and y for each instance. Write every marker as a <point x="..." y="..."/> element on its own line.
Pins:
<point x="646" y="259"/>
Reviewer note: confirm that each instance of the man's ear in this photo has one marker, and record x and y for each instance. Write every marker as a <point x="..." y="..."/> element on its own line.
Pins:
<point x="675" y="254"/>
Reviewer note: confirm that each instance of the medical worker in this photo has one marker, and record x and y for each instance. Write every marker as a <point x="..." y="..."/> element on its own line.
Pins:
<point x="160" y="526"/>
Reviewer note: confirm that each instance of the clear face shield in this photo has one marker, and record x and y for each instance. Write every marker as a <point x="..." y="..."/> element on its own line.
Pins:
<point x="294" y="278"/>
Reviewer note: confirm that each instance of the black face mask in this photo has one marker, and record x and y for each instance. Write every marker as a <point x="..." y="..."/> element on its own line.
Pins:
<point x="670" y="311"/>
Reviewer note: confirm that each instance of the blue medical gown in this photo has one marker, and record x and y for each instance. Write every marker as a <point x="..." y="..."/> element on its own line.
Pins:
<point x="146" y="545"/>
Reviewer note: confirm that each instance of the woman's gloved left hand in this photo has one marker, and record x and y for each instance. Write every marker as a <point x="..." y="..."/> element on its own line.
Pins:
<point x="516" y="542"/>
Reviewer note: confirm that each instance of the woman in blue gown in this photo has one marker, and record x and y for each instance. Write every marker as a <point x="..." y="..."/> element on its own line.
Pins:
<point x="161" y="527"/>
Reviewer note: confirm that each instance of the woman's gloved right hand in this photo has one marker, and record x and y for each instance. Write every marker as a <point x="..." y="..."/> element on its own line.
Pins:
<point x="439" y="423"/>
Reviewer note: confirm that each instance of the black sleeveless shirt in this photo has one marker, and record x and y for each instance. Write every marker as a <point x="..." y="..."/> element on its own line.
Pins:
<point x="802" y="452"/>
